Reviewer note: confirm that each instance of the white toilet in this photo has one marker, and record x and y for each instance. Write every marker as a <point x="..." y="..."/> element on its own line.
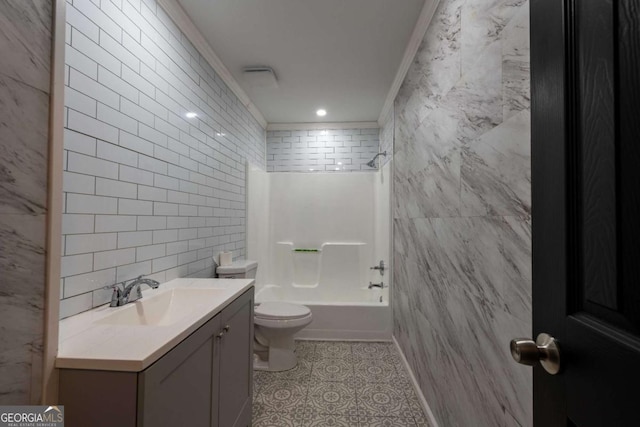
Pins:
<point x="275" y="324"/>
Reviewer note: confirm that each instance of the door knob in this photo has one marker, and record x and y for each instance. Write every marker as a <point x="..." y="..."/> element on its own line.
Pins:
<point x="544" y="350"/>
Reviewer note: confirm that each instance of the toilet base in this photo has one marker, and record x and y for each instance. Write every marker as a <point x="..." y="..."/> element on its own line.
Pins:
<point x="281" y="356"/>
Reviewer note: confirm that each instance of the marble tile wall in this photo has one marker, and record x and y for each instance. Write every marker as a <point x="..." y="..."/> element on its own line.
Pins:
<point x="25" y="48"/>
<point x="462" y="227"/>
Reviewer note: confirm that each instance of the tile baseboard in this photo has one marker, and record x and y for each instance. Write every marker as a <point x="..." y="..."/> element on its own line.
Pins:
<point x="423" y="402"/>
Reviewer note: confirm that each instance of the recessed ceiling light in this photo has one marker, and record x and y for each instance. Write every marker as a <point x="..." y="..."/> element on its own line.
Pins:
<point x="191" y="115"/>
<point x="337" y="169"/>
<point x="321" y="112"/>
<point x="310" y="170"/>
<point x="221" y="134"/>
<point x="339" y="163"/>
<point x="324" y="132"/>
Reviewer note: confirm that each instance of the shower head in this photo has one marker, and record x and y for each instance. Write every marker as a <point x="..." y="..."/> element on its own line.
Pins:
<point x="372" y="162"/>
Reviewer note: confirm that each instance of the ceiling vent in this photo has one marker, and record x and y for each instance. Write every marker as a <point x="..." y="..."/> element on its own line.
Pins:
<point x="260" y="77"/>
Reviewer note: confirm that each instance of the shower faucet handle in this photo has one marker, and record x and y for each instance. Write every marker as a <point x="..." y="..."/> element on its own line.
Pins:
<point x="376" y="285"/>
<point x="380" y="267"/>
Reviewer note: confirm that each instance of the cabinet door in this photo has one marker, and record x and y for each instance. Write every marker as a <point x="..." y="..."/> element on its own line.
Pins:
<point x="177" y="390"/>
<point x="236" y="363"/>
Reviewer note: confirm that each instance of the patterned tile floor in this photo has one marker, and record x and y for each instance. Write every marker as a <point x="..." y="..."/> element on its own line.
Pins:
<point x="351" y="384"/>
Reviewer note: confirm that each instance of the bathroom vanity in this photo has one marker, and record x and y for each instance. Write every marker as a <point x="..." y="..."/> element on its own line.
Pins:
<point x="182" y="356"/>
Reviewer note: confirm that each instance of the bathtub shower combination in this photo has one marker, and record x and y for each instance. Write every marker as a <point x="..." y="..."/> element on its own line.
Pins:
<point x="317" y="238"/>
<point x="333" y="282"/>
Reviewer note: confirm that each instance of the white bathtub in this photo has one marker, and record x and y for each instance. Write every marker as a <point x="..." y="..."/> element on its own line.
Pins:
<point x="358" y="314"/>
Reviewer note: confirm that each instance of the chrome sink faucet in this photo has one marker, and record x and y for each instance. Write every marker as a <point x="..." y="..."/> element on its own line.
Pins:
<point x="130" y="292"/>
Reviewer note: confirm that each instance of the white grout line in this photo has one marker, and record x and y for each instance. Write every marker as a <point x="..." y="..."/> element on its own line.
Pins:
<point x="414" y="382"/>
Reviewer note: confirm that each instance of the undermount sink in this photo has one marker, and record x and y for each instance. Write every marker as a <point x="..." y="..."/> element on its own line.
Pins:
<point x="164" y="309"/>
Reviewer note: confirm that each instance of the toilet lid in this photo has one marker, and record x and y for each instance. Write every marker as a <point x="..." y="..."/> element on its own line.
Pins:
<point x="281" y="310"/>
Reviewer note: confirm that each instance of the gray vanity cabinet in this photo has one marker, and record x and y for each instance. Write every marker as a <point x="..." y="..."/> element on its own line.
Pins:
<point x="205" y="381"/>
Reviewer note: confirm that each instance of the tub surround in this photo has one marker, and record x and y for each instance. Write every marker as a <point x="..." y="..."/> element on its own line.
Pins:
<point x="258" y="220"/>
<point x="462" y="227"/>
<point x="375" y="296"/>
<point x="346" y="216"/>
<point x="25" y="47"/>
<point x="89" y="341"/>
<point x="309" y="210"/>
<point x="386" y="137"/>
<point x="330" y="268"/>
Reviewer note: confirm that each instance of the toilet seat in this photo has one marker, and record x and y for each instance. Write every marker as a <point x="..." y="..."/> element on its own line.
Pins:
<point x="283" y="323"/>
<point x="276" y="310"/>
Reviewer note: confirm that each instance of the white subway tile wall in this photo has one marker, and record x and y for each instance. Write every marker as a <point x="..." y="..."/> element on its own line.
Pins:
<point x="147" y="189"/>
<point x="330" y="150"/>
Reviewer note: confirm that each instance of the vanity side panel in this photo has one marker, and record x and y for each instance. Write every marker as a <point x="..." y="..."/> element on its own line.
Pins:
<point x="98" y="398"/>
<point x="236" y="362"/>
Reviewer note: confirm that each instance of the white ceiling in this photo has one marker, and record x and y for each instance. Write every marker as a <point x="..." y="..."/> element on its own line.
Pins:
<point x="341" y="55"/>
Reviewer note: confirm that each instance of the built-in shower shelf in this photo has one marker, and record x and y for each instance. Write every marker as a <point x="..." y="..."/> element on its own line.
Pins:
<point x="318" y="250"/>
<point x="344" y="243"/>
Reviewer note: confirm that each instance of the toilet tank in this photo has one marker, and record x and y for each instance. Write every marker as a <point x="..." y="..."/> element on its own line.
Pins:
<point x="242" y="269"/>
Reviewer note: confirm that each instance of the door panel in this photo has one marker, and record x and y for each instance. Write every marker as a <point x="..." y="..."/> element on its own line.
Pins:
<point x="602" y="376"/>
<point x="586" y="208"/>
<point x="595" y="137"/>
<point x="629" y="155"/>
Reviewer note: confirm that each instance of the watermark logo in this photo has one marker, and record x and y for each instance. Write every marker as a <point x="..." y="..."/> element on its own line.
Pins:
<point x="31" y="416"/>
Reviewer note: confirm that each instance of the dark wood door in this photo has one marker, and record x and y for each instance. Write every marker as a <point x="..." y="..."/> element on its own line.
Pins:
<point x="585" y="71"/>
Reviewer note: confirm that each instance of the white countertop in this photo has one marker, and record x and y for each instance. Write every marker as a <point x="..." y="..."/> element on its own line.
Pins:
<point x="85" y="344"/>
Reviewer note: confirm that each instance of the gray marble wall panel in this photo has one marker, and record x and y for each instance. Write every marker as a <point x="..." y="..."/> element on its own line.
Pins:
<point x="462" y="228"/>
<point x="25" y="48"/>
<point x="25" y="41"/>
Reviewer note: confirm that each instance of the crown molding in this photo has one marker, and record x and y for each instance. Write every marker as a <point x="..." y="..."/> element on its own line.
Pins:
<point x="322" y="126"/>
<point x="182" y="20"/>
<point x="426" y="15"/>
